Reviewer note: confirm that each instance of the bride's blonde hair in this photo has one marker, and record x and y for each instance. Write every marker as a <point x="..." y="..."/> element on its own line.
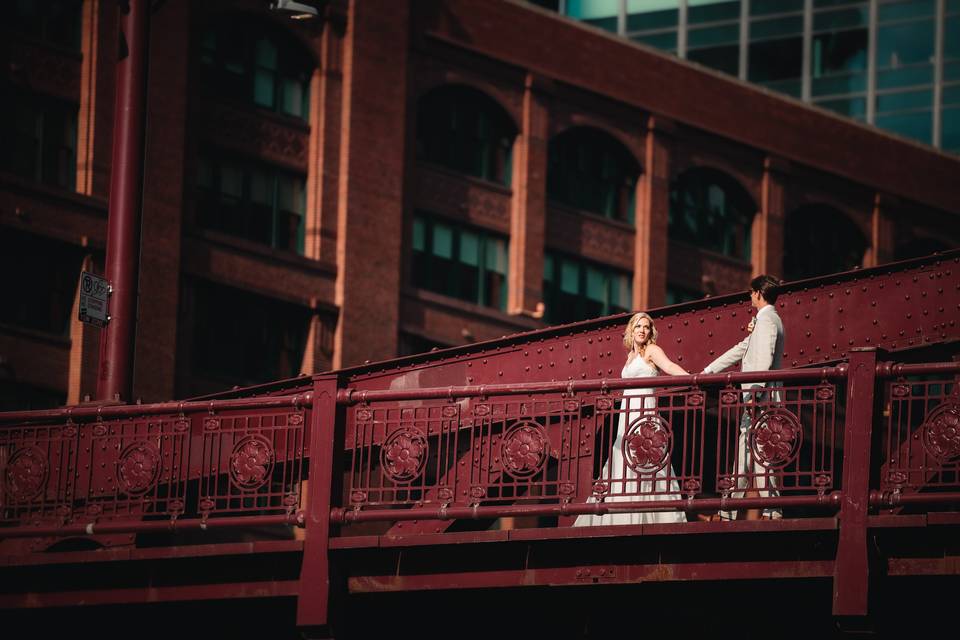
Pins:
<point x="634" y="321"/>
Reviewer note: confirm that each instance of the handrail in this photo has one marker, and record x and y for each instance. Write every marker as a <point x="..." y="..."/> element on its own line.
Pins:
<point x="353" y="396"/>
<point x="127" y="410"/>
<point x="897" y="370"/>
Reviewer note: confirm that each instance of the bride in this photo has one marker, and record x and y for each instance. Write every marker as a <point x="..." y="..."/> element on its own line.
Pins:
<point x="644" y="359"/>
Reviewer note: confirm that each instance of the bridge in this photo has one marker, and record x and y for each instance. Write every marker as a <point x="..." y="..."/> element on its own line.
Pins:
<point x="465" y="468"/>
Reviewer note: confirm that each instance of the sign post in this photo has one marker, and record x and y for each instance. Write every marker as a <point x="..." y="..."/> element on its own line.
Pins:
<point x="94" y="296"/>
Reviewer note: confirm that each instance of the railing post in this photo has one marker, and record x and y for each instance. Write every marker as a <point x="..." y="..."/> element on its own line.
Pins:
<point x="313" y="601"/>
<point x="851" y="570"/>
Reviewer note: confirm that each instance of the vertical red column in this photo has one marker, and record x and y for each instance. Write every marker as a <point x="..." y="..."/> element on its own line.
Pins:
<point x="115" y="379"/>
<point x="851" y="570"/>
<point x="326" y="441"/>
<point x="767" y="247"/>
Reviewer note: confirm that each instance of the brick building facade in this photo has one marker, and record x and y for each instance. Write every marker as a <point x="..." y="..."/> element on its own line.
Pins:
<point x="393" y="176"/>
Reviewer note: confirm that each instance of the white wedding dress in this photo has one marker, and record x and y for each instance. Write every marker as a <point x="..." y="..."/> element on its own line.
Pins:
<point x="636" y="402"/>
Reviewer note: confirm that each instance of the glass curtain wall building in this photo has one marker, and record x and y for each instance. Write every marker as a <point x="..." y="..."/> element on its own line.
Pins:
<point x="891" y="63"/>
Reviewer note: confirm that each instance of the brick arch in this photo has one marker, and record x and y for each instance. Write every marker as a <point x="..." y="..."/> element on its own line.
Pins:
<point x="582" y="121"/>
<point x="746" y="180"/>
<point x="820" y="239"/>
<point x="447" y="80"/>
<point x="269" y="24"/>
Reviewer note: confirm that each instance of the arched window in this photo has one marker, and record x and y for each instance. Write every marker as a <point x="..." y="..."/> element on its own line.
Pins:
<point x="819" y="240"/>
<point x="713" y="211"/>
<point x="465" y="130"/>
<point x="591" y="171"/>
<point x="243" y="61"/>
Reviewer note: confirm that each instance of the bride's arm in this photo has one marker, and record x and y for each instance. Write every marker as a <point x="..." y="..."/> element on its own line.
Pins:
<point x="665" y="364"/>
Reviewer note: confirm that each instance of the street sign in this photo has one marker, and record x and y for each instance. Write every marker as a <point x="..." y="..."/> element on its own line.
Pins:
<point x="94" y="293"/>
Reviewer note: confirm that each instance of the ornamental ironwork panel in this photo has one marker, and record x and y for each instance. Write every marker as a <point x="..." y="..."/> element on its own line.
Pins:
<point x="779" y="439"/>
<point x="38" y="473"/>
<point x="921" y="444"/>
<point x="251" y="463"/>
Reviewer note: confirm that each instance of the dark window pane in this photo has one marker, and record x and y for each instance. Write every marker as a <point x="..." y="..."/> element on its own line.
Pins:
<point x="460" y="262"/>
<point x="19" y="396"/>
<point x="39" y="138"/>
<point x="853" y="107"/>
<point x="665" y="41"/>
<point x="591" y="171"/>
<point x="48" y="271"/>
<point x="820" y="240"/>
<point x="834" y="3"/>
<point x="775" y="60"/>
<point x="726" y="59"/>
<point x="711" y="210"/>
<point x="951" y="37"/>
<point x="904" y="100"/>
<point x="713" y="36"/>
<point x="950" y="140"/>
<point x="910" y="76"/>
<point x="552" y="5"/>
<point x="241" y="338"/>
<point x="852" y="17"/>
<point x="951" y="95"/>
<point x="951" y="71"/>
<point x="462" y="129"/>
<point x="906" y="10"/>
<point x="918" y="126"/>
<point x="765" y="7"/>
<point x="844" y="51"/>
<point x="837" y="85"/>
<point x="712" y="10"/>
<point x="638" y="18"/>
<point x="607" y="24"/>
<point x="901" y="44"/>
<point x="777" y="27"/>
<point x="574" y="289"/>
<point x="56" y="22"/>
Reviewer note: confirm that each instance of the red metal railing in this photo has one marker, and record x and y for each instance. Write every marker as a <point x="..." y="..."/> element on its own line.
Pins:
<point x="137" y="468"/>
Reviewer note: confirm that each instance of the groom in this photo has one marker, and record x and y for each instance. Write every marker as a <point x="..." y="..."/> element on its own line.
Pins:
<point x="761" y="350"/>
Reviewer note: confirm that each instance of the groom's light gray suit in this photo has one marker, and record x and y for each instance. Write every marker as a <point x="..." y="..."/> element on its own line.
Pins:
<point x="762" y="350"/>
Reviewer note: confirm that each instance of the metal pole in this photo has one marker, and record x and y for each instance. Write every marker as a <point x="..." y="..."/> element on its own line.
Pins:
<point x="115" y="376"/>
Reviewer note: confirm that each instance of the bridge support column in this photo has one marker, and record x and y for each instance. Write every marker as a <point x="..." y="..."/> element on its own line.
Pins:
<point x="851" y="570"/>
<point x="529" y="208"/>
<point x="652" y="217"/>
<point x="317" y="583"/>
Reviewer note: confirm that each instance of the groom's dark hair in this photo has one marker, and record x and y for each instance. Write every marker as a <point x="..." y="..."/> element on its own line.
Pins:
<point x="766" y="286"/>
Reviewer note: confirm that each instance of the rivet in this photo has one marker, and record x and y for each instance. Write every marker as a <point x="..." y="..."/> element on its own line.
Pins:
<point x="806" y="316"/>
<point x="873" y="303"/>
<point x="709" y="334"/>
<point x="526" y="353"/>
<point x="670" y="326"/>
<point x="808" y="334"/>
<point x="875" y="321"/>
<point x="527" y="368"/>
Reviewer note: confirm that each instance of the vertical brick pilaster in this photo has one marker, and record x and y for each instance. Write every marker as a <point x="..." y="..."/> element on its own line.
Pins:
<point x="370" y="199"/>
<point x="652" y="215"/>
<point x="326" y="91"/>
<point x="97" y="83"/>
<point x="161" y="229"/>
<point x="767" y="233"/>
<point x="529" y="205"/>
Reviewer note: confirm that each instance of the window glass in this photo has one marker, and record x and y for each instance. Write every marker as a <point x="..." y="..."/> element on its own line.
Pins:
<point x="906" y="77"/>
<point x="651" y="14"/>
<point x="590" y="170"/>
<point x="843" y="18"/>
<point x="906" y="43"/>
<point x="39" y="138"/>
<point x="711" y="36"/>
<point x="726" y="58"/>
<point x="678" y="295"/>
<point x="243" y="61"/>
<point x="460" y="262"/>
<point x="699" y="11"/>
<point x="853" y="107"/>
<point x="599" y="13"/>
<point x="765" y="7"/>
<point x="574" y="289"/>
<point x="55" y="22"/>
<point x="842" y="52"/>
<point x="711" y="210"/>
<point x="776" y="27"/>
<point x="273" y="334"/>
<point x="915" y="125"/>
<point x="906" y="10"/>
<point x="777" y="64"/>
<point x="251" y="200"/>
<point x="665" y="41"/>
<point x="819" y="240"/>
<point x="951" y="37"/>
<point x="47" y="272"/>
<point x="463" y="129"/>
<point x="950" y="133"/>
<point x="904" y="100"/>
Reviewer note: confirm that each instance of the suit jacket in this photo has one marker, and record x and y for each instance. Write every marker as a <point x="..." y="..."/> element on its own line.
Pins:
<point x="762" y="350"/>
